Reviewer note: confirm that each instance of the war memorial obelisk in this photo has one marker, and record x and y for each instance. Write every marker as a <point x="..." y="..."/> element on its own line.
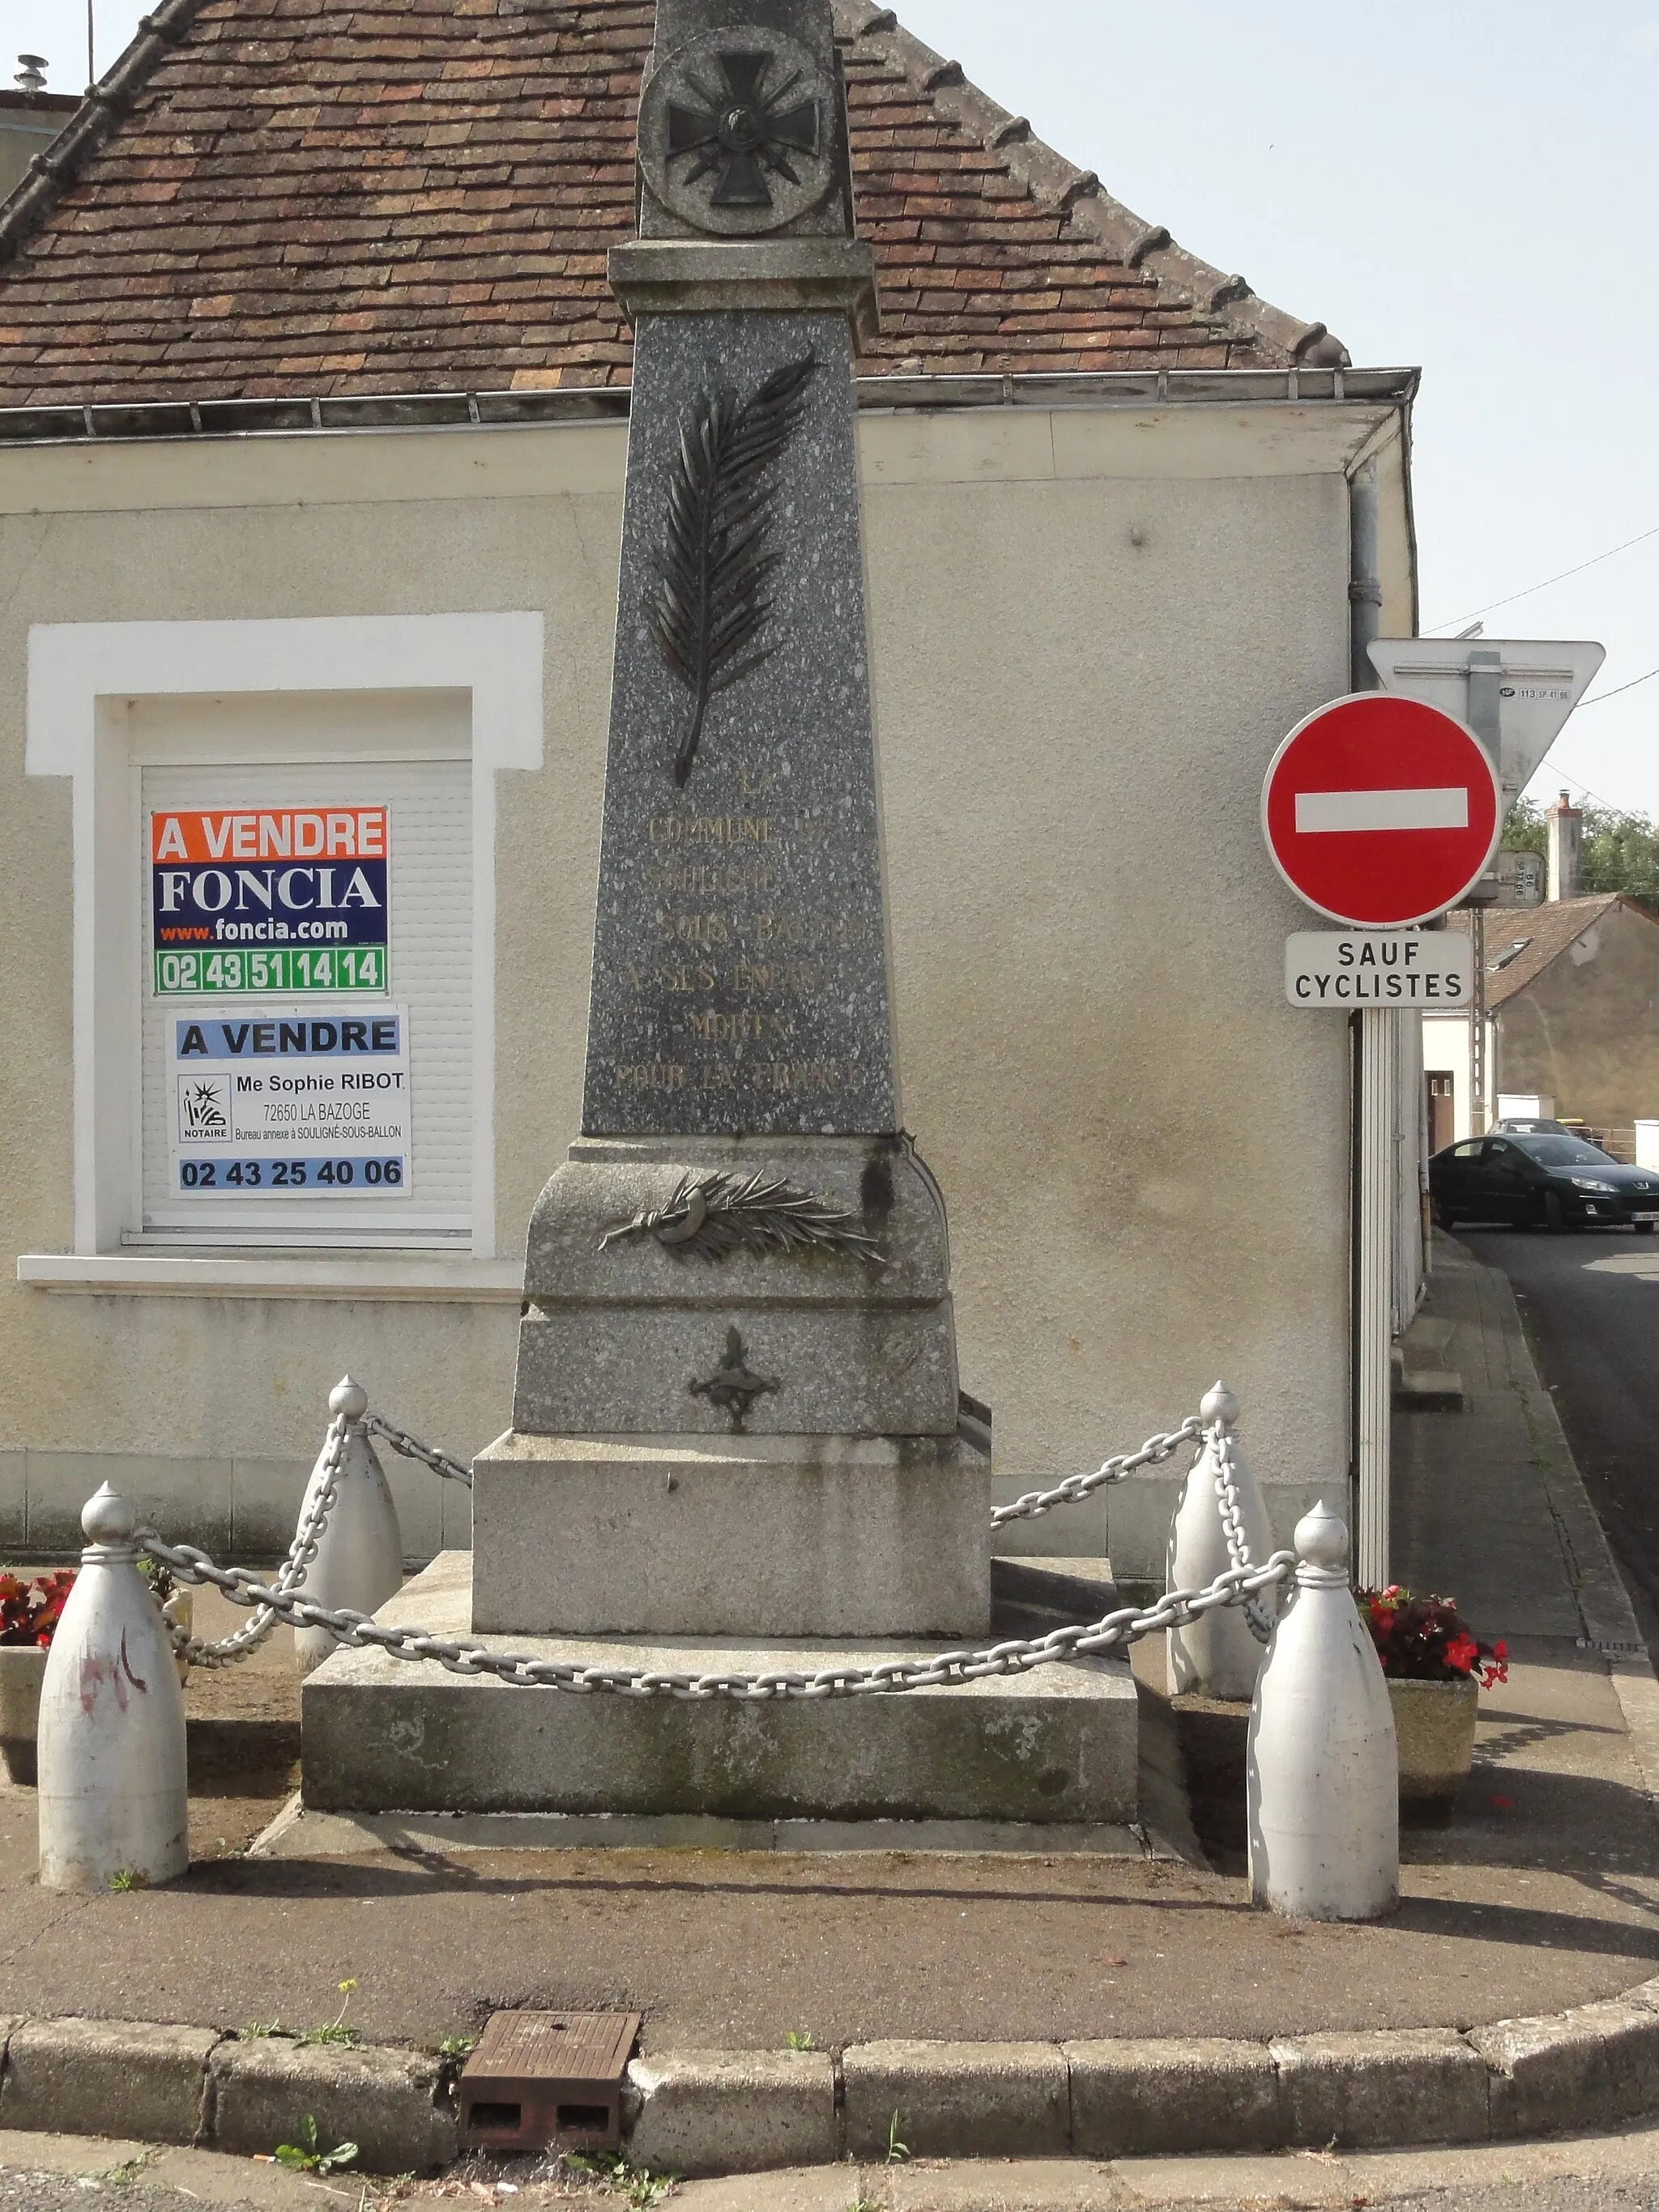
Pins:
<point x="736" y="1442"/>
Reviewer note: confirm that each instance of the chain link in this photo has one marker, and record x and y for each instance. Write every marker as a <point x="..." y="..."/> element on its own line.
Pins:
<point x="1112" y="1633"/>
<point x="1257" y="1618"/>
<point x="313" y="1519"/>
<point x="1112" y="1470"/>
<point x="412" y="1448"/>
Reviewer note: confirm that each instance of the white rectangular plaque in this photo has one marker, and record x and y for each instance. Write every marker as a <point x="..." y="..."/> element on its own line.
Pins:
<point x="1430" y="969"/>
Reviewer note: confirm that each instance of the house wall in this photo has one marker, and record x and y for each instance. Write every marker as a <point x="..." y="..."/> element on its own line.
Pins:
<point x="1091" y="628"/>
<point x="1586" y="1029"/>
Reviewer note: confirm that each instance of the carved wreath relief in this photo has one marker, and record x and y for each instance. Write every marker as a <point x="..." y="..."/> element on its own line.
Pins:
<point x="710" y="1215"/>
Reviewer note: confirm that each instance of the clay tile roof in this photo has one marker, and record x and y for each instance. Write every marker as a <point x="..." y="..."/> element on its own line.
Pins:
<point x="318" y="197"/>
<point x="1546" y="930"/>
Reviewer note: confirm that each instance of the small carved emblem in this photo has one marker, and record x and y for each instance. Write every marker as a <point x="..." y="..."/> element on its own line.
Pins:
<point x="731" y="1388"/>
<point x="711" y="1215"/>
<point x="710" y="606"/>
<point x="743" y="130"/>
<point x="739" y="131"/>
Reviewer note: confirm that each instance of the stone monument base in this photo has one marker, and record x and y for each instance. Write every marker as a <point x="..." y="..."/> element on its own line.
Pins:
<point x="1057" y="1745"/>
<point x="751" y="1536"/>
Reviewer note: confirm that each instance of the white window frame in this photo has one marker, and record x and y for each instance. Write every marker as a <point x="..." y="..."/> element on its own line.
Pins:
<point x="82" y="676"/>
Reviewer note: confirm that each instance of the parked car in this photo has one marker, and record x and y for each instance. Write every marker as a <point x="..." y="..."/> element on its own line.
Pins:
<point x="1545" y="1180"/>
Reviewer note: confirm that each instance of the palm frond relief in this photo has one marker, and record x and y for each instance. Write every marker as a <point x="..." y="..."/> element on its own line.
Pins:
<point x="710" y="1215"/>
<point x="709" y="604"/>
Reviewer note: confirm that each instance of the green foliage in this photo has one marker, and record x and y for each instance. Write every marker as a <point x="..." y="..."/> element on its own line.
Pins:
<point x="125" y="1878"/>
<point x="643" y="2188"/>
<point x="801" y="2038"/>
<point x="457" y="2046"/>
<point x="336" y="2030"/>
<point x="897" y="2151"/>
<point x="305" y="2157"/>
<point x="1621" y="849"/>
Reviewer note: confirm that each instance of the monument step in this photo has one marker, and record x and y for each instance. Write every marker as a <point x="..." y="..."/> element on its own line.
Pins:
<point x="1057" y="1745"/>
<point x="751" y="1536"/>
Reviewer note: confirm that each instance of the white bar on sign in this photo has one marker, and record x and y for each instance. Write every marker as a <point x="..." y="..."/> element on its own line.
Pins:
<point x="1381" y="810"/>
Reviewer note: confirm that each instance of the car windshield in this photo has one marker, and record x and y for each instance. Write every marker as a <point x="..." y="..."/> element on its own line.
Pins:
<point x="1561" y="1152"/>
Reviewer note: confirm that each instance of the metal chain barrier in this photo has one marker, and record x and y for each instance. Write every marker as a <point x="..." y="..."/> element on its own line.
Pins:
<point x="1112" y="1470"/>
<point x="1112" y="1633"/>
<point x="411" y="1448"/>
<point x="1257" y="1618"/>
<point x="272" y="1603"/>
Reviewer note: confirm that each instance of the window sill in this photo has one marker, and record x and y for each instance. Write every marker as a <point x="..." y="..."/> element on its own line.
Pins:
<point x="217" y="1275"/>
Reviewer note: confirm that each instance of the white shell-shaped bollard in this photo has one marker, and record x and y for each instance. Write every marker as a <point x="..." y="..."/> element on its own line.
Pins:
<point x="359" y="1557"/>
<point x="1322" y="1787"/>
<point x="113" y="1799"/>
<point x="1216" y="1654"/>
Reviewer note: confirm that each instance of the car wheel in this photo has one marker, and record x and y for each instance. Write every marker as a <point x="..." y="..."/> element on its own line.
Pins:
<point x="1643" y="1227"/>
<point x="1441" y="1214"/>
<point x="1555" y="1214"/>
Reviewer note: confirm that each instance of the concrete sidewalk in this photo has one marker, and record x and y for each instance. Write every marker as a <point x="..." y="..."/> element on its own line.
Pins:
<point x="1542" y="1894"/>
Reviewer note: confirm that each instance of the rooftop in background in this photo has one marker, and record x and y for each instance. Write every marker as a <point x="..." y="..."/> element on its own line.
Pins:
<point x="1541" y="933"/>
<point x="29" y="121"/>
<point x="315" y="198"/>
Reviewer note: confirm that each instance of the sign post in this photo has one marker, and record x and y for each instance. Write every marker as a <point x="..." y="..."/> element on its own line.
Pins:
<point x="1381" y="812"/>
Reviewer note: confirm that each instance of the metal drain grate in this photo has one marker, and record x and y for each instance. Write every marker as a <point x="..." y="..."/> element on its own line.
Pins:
<point x="540" y="2078"/>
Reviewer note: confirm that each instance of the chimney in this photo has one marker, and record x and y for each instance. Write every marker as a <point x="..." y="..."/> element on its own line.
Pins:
<point x="1565" y="825"/>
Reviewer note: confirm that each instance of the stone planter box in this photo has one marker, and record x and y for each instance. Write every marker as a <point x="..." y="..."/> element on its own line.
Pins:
<point x="22" y="1671"/>
<point x="1434" y="1726"/>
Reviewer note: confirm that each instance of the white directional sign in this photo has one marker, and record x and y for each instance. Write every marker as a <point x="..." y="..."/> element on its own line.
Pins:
<point x="1514" y="693"/>
<point x="1430" y="969"/>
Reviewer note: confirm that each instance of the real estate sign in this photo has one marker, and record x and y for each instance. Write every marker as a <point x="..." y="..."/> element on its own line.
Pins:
<point x="281" y="900"/>
<point x="291" y="1101"/>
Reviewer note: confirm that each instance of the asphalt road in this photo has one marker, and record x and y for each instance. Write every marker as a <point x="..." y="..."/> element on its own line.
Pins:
<point x="1590" y="1302"/>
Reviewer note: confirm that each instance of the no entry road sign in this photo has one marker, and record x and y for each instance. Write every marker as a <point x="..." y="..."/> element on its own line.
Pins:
<point x="1381" y="811"/>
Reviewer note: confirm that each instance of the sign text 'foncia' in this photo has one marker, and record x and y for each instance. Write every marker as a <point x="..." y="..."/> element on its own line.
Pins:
<point x="279" y="899"/>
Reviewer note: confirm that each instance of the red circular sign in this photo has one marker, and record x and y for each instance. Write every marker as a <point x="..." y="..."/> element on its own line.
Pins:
<point x="1381" y="811"/>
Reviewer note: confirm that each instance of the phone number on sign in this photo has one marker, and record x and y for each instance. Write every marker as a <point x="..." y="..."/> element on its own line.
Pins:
<point x="384" y="1175"/>
<point x="347" y="968"/>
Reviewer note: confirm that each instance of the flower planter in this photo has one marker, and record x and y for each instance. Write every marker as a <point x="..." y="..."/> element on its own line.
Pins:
<point x="1434" y="1727"/>
<point x="22" y="1671"/>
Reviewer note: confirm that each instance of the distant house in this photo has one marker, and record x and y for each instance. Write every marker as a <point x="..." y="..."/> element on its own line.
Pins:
<point x="29" y="121"/>
<point x="1572" y="989"/>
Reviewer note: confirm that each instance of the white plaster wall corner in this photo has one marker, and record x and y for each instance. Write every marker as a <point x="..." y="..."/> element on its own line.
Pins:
<point x="79" y="674"/>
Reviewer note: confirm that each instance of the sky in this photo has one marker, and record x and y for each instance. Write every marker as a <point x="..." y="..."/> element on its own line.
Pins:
<point x="1467" y="189"/>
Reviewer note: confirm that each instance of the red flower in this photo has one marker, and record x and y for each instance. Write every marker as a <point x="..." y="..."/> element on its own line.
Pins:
<point x="1423" y="1639"/>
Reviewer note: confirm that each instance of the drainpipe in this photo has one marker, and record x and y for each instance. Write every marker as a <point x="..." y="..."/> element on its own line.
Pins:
<point x="1375" y="1112"/>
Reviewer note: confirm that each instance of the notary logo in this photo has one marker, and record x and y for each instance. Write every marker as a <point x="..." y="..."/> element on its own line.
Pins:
<point x="203" y="1106"/>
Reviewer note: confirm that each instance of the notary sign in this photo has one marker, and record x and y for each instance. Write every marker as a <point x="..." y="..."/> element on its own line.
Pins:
<point x="291" y="1101"/>
<point x="283" y="899"/>
<point x="1433" y="970"/>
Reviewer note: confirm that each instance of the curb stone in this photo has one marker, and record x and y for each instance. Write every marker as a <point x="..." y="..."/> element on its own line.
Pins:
<point x="202" y="2087"/>
<point x="731" y="2111"/>
<point x="956" y="2100"/>
<point x="701" y="2113"/>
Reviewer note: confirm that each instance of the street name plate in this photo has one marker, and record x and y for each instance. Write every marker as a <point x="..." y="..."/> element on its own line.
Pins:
<point x="1431" y="970"/>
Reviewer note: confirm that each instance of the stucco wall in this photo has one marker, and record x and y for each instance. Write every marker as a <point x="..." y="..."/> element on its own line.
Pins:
<point x="1090" y="633"/>
<point x="1586" y="1029"/>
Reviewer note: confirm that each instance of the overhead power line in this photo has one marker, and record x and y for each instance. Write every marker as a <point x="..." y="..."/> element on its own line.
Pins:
<point x="1594" y="560"/>
<point x="1618" y="688"/>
